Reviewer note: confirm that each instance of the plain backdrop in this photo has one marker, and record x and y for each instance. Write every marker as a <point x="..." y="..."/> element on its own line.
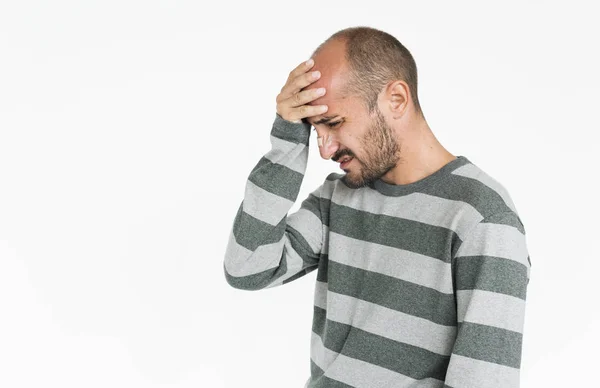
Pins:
<point x="128" y="130"/>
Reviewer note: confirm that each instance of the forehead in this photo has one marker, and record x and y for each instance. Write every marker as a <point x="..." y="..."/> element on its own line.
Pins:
<point x="337" y="104"/>
<point x="332" y="79"/>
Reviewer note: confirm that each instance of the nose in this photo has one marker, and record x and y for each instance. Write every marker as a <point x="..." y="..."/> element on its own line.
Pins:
<point x="328" y="145"/>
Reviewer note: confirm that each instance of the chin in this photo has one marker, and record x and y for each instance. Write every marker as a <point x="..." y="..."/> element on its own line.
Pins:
<point x="353" y="183"/>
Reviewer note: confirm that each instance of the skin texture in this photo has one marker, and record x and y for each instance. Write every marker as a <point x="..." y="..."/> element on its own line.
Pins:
<point x="394" y="143"/>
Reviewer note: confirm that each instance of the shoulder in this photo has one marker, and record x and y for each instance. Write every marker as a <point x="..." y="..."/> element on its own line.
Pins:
<point x="480" y="190"/>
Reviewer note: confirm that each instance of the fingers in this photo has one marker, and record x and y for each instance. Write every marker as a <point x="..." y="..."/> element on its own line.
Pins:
<point x="297" y="114"/>
<point x="306" y="96"/>
<point x="298" y="82"/>
<point x="292" y="100"/>
<point x="300" y="69"/>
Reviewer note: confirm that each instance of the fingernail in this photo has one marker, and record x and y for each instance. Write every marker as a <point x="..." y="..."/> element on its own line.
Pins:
<point x="309" y="62"/>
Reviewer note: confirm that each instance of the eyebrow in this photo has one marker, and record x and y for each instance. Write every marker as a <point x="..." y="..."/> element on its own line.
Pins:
<point x="323" y="120"/>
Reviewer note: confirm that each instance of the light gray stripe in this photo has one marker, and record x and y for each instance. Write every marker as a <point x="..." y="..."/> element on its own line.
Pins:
<point x="270" y="208"/>
<point x="489" y="239"/>
<point x="263" y="205"/>
<point x="330" y="185"/>
<point x="396" y="294"/>
<point x="309" y="226"/>
<point x="319" y="354"/>
<point x="264" y="268"/>
<point x="241" y="261"/>
<point x="472" y="171"/>
<point x="294" y="265"/>
<point x="291" y="155"/>
<point x="491" y="308"/>
<point x="465" y="372"/>
<point x="405" y="359"/>
<point x="361" y="374"/>
<point x="414" y="236"/>
<point x="251" y="233"/>
<point x="472" y="192"/>
<point x="399" y="263"/>
<point x="390" y="324"/>
<point x="320" y="295"/>
<point x="419" y="207"/>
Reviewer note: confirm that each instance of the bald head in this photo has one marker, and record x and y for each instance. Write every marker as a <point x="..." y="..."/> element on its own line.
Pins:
<point x="360" y="62"/>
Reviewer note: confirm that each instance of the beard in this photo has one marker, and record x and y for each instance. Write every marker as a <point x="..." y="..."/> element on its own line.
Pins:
<point x="381" y="152"/>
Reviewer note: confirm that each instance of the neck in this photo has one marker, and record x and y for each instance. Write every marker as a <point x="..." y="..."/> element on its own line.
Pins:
<point x="421" y="154"/>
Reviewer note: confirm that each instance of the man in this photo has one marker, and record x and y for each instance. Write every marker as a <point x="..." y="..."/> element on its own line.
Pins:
<point x="422" y="264"/>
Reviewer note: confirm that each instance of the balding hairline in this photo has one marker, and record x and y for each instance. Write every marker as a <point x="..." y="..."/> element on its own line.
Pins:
<point x="373" y="58"/>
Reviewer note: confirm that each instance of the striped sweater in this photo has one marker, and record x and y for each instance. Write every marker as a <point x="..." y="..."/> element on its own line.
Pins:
<point x="419" y="285"/>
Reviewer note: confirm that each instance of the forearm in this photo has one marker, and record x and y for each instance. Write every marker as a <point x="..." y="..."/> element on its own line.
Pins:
<point x="258" y="237"/>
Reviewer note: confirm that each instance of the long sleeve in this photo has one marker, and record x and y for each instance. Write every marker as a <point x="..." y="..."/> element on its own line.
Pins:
<point x="491" y="271"/>
<point x="266" y="246"/>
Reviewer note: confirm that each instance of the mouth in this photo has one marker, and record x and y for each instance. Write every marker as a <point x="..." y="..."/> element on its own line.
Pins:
<point x="345" y="161"/>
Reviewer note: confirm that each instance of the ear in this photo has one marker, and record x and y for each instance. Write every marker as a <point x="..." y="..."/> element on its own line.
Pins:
<point x="396" y="98"/>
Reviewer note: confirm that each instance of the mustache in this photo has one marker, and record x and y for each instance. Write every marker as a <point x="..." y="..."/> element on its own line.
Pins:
<point x="341" y="155"/>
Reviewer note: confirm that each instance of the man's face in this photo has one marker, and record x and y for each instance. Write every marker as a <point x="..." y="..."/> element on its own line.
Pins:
<point x="378" y="154"/>
<point x="371" y="142"/>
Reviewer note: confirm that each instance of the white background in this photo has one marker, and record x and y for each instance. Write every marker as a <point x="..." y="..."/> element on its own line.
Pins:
<point x="128" y="129"/>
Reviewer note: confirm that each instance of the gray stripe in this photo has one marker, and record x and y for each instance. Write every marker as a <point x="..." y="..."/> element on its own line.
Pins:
<point x="470" y="170"/>
<point x="312" y="203"/>
<point x="507" y="219"/>
<point x="433" y="180"/>
<point x="422" y="208"/>
<point x="491" y="274"/>
<point x="251" y="232"/>
<point x="487" y="343"/>
<point x="293" y="132"/>
<point x="478" y="201"/>
<point x="428" y="240"/>
<point x="471" y="191"/>
<point x="353" y="342"/>
<point x="389" y="324"/>
<point x="276" y="179"/>
<point x="268" y="264"/>
<point x="359" y="372"/>
<point x="396" y="294"/>
<point x="241" y="261"/>
<point x="455" y="187"/>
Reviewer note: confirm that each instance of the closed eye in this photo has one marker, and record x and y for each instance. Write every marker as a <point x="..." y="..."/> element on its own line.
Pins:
<point x="330" y="124"/>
